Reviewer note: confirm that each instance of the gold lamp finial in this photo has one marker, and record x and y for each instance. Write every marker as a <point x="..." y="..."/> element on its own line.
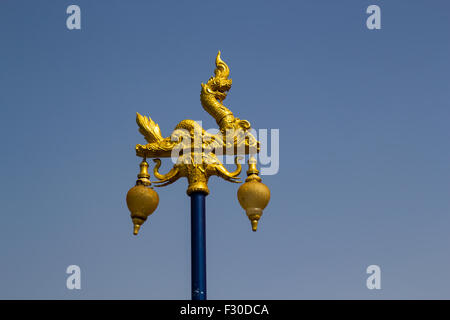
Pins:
<point x="143" y="176"/>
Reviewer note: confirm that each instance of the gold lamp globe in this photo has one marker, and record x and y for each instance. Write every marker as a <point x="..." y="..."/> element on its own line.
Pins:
<point x="142" y="200"/>
<point x="253" y="196"/>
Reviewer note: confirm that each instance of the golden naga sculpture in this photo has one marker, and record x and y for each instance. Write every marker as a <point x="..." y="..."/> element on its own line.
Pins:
<point x="234" y="133"/>
<point x="196" y="150"/>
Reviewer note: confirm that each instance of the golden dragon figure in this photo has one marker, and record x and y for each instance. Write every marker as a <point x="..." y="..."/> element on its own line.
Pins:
<point x="196" y="149"/>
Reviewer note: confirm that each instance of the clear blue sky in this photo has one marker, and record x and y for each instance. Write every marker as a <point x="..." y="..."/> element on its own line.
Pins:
<point x="364" y="147"/>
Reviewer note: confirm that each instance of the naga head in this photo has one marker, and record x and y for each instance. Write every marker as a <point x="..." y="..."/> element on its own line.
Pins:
<point x="216" y="88"/>
<point x="219" y="85"/>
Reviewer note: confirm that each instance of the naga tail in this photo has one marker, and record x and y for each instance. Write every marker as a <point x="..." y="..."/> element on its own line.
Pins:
<point x="149" y="129"/>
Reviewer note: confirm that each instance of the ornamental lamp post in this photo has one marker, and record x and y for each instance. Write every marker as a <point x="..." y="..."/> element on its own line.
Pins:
<point x="196" y="153"/>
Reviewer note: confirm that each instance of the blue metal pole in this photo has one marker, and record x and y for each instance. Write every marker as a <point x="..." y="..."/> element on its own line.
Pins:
<point x="198" y="246"/>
